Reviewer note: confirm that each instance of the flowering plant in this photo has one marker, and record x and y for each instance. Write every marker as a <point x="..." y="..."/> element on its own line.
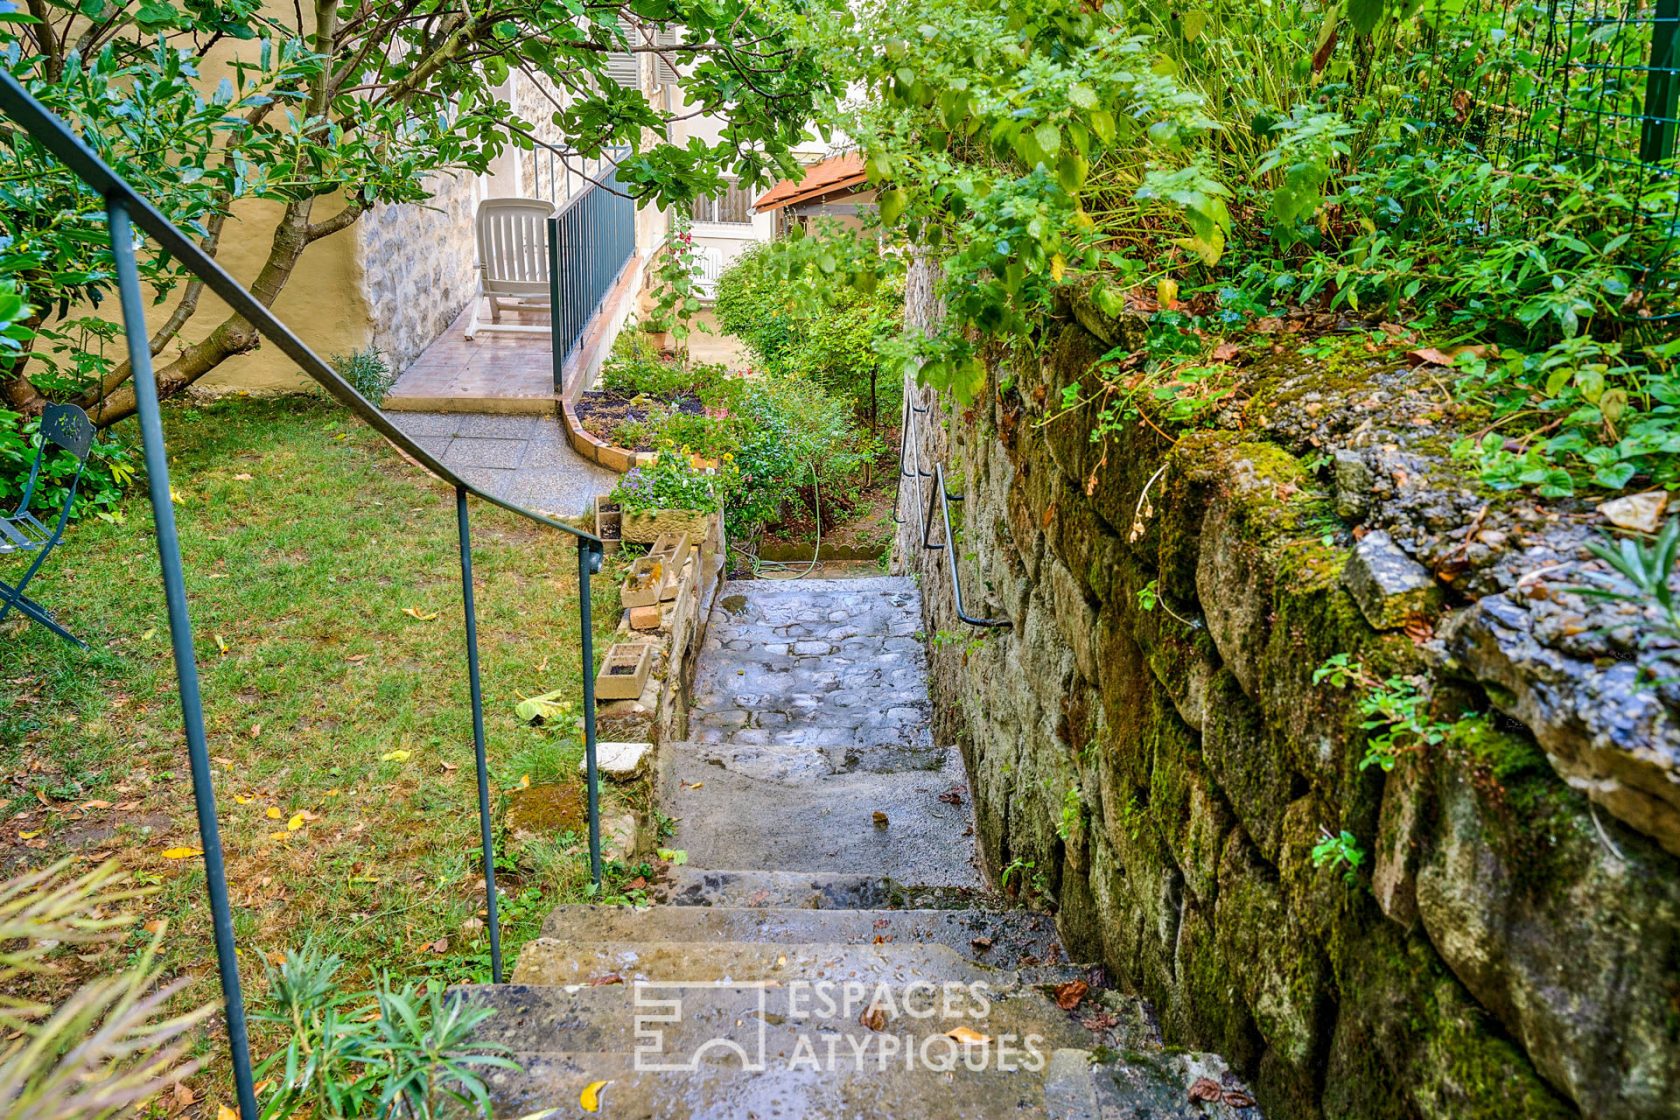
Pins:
<point x="673" y="481"/>
<point x="676" y="277"/>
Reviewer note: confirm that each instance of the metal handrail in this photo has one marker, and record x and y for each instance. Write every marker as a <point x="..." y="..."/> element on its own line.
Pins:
<point x="126" y="209"/>
<point x="909" y="446"/>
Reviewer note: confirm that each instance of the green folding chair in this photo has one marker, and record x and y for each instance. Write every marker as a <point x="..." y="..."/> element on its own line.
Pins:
<point x="62" y="426"/>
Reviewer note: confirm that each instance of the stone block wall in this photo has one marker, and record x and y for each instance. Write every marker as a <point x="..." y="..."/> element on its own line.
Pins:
<point x="416" y="265"/>
<point x="1148" y="748"/>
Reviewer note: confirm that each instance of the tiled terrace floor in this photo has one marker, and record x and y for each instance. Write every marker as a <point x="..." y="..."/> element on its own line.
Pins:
<point x="522" y="459"/>
<point x="494" y="373"/>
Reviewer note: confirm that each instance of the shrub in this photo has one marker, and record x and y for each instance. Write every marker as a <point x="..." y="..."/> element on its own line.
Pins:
<point x="828" y="333"/>
<point x="790" y="429"/>
<point x="380" y="1053"/>
<point x="111" y="465"/>
<point x="113" y="1042"/>
<point x="367" y="371"/>
<point x="636" y="368"/>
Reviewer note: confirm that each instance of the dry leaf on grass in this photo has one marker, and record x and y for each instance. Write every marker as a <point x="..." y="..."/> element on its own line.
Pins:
<point x="968" y="1036"/>
<point x="417" y="613"/>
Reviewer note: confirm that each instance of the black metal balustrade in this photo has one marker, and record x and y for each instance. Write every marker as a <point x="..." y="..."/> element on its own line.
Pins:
<point x="125" y="210"/>
<point x="910" y="466"/>
<point x="590" y="239"/>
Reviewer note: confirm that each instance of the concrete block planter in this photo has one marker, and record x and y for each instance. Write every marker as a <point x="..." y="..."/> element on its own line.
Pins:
<point x="646" y="526"/>
<point x="608" y="523"/>
<point x="645" y="585"/>
<point x="598" y="451"/>
<point x="624" y="671"/>
<point x="672" y="548"/>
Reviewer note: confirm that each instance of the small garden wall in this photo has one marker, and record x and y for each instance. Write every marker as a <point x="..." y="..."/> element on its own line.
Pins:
<point x="676" y="629"/>
<point x="1149" y="747"/>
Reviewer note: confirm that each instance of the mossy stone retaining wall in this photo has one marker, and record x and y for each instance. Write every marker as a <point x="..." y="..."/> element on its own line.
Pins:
<point x="1162" y="775"/>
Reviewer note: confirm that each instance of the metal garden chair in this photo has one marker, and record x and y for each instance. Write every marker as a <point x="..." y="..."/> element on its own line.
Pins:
<point x="67" y="427"/>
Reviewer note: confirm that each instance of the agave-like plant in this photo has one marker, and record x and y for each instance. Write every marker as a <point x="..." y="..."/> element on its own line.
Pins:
<point x="1648" y="568"/>
<point x="112" y="1042"/>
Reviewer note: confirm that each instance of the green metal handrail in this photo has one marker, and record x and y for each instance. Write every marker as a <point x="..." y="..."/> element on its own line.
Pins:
<point x="910" y="466"/>
<point x="126" y="209"/>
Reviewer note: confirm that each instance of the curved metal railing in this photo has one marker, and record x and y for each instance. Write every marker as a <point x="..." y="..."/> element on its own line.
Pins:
<point x="910" y="466"/>
<point x="125" y="210"/>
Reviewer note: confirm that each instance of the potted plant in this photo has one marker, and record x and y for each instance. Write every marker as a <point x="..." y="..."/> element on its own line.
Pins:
<point x="671" y="495"/>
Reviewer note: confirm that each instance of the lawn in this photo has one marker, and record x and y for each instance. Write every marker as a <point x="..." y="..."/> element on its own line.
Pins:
<point x="325" y="590"/>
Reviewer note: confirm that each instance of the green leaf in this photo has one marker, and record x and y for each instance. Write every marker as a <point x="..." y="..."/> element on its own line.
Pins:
<point x="892" y="205"/>
<point x="1049" y="139"/>
<point x="1364" y="15"/>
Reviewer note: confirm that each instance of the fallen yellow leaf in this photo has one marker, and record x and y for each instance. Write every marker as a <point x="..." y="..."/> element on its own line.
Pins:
<point x="221" y="645"/>
<point x="416" y="612"/>
<point x="242" y="799"/>
<point x="279" y="836"/>
<point x="295" y="823"/>
<point x="395" y="756"/>
<point x="273" y="813"/>
<point x="968" y="1036"/>
<point x="181" y="853"/>
<point x="30" y="835"/>
<point x="590" y="1098"/>
<point x="223" y="1112"/>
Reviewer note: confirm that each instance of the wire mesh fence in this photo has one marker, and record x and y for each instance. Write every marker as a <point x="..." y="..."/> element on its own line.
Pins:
<point x="1583" y="87"/>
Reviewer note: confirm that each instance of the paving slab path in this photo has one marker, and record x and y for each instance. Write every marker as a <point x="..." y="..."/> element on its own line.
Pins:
<point x="521" y="459"/>
<point x="829" y="949"/>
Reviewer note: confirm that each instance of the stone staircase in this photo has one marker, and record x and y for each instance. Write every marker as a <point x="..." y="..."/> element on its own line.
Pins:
<point x="829" y="949"/>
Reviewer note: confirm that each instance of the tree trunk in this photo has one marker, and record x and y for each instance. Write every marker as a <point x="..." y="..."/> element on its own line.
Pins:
<point x="233" y="335"/>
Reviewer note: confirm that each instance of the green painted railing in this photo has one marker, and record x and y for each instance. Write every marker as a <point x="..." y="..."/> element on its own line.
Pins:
<point x="126" y="209"/>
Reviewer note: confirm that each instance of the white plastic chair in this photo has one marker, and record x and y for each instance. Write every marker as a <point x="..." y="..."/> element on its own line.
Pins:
<point x="512" y="262"/>
<point x="709" y="266"/>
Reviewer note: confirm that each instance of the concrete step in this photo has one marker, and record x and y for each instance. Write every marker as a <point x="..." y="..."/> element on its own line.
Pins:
<point x="1000" y="938"/>
<point x="819" y="589"/>
<point x="826" y="823"/>
<point x="702" y="886"/>
<point x="722" y="1090"/>
<point x="698" y="886"/>
<point x="770" y="1018"/>
<point x="790" y="763"/>
<point x="547" y="961"/>
<point x="733" y="726"/>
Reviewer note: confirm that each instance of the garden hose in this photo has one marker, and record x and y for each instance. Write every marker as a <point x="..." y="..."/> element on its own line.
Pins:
<point x="816" y="555"/>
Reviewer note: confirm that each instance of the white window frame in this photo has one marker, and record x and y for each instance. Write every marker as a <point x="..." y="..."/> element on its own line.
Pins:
<point x="715" y="223"/>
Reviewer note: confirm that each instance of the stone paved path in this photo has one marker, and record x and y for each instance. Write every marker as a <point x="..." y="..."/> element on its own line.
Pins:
<point x="523" y="459"/>
<point x="830" y="855"/>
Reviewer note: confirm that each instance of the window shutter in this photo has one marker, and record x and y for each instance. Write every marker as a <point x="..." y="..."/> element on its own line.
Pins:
<point x="664" y="72"/>
<point x="622" y="68"/>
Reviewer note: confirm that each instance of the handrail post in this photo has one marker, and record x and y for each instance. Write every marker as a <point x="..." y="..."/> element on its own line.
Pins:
<point x="481" y="759"/>
<point x="557" y="348"/>
<point x="589" y="562"/>
<point x="181" y="641"/>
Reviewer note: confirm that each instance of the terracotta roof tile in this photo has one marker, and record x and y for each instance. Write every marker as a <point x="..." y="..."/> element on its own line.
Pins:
<point x="819" y="179"/>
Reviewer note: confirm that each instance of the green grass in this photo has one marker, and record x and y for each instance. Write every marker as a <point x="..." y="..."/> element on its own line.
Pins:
<point x="306" y="538"/>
